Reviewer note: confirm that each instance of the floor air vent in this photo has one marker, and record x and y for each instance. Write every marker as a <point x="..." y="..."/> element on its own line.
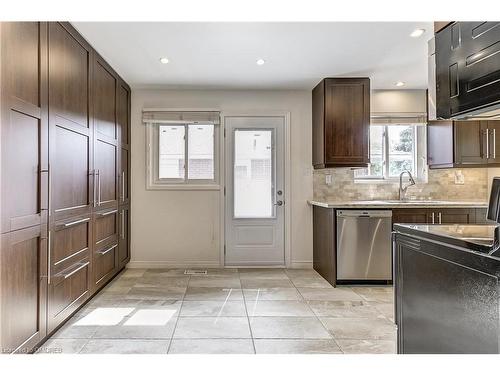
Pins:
<point x="195" y="272"/>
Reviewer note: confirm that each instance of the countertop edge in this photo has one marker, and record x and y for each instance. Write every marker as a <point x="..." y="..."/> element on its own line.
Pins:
<point x="397" y="205"/>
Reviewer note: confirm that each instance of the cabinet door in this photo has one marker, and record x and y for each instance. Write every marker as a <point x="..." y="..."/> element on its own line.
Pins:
<point x="123" y="95"/>
<point x="440" y="144"/>
<point x="23" y="125"/>
<point x="410" y="216"/>
<point x="347" y="121"/>
<point x="471" y="142"/>
<point x="105" y="135"/>
<point x="23" y="289"/>
<point x="324" y="246"/>
<point x="70" y="125"/>
<point x="467" y="67"/>
<point x="454" y="215"/>
<point x="124" y="240"/>
<point x="105" y="256"/>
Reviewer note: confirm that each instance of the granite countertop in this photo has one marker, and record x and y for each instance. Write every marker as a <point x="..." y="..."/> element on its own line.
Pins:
<point x="477" y="237"/>
<point x="399" y="204"/>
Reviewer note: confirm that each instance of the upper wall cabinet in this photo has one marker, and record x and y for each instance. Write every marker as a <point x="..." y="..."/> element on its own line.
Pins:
<point x="463" y="144"/>
<point x="341" y="123"/>
<point x="467" y="69"/>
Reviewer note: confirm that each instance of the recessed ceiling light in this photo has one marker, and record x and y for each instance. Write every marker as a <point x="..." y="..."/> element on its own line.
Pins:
<point x="260" y="62"/>
<point x="417" y="33"/>
<point x="399" y="83"/>
<point x="164" y="60"/>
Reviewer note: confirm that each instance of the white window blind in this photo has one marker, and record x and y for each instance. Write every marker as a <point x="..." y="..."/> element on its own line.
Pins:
<point x="178" y="117"/>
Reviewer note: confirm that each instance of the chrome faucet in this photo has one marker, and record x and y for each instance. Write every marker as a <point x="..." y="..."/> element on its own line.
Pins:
<point x="402" y="191"/>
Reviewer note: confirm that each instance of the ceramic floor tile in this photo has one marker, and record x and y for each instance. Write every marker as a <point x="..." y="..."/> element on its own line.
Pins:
<point x="72" y="330"/>
<point x="266" y="273"/>
<point x="329" y="294"/>
<point x="126" y="347"/>
<point x="62" y="346"/>
<point x="272" y="294"/>
<point x="213" y="308"/>
<point x="361" y="329"/>
<point x="367" y="346"/>
<point x="287" y="346"/>
<point x="215" y="327"/>
<point x="212" y="294"/>
<point x="288" y="328"/>
<point x="165" y="272"/>
<point x="294" y="273"/>
<point x="310" y="282"/>
<point x="278" y="308"/>
<point x="254" y="283"/>
<point x="344" y="309"/>
<point x="211" y="346"/>
<point x="384" y="294"/>
<point x="160" y="292"/>
<point x="215" y="281"/>
<point x="155" y="281"/>
<point x="387" y="309"/>
<point x="133" y="272"/>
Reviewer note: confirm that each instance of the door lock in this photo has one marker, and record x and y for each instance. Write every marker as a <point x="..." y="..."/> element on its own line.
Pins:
<point x="279" y="203"/>
<point x="279" y="192"/>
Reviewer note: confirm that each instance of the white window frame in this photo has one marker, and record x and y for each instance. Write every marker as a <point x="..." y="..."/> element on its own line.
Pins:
<point x="418" y="175"/>
<point x="153" y="182"/>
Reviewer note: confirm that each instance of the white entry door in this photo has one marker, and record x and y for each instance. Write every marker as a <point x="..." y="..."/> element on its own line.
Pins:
<point x="255" y="206"/>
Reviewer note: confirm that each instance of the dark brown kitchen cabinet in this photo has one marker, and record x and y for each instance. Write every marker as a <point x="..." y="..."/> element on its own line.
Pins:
<point x="23" y="185"/>
<point x="124" y="237"/>
<point x="64" y="173"/>
<point x="467" y="69"/>
<point x="434" y="215"/>
<point x="105" y="255"/>
<point x="71" y="128"/>
<point x="462" y="144"/>
<point x="325" y="243"/>
<point x="341" y="123"/>
<point x="106" y="135"/>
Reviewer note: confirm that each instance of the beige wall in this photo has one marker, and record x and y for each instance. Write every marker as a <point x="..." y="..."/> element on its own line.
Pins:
<point x="181" y="228"/>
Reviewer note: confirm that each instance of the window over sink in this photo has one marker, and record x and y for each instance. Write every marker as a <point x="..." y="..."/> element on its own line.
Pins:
<point x="393" y="149"/>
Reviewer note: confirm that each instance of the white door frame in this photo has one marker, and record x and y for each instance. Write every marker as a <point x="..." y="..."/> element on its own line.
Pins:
<point x="287" y="179"/>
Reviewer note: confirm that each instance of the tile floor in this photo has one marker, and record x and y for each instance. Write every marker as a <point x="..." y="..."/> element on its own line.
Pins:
<point x="229" y="311"/>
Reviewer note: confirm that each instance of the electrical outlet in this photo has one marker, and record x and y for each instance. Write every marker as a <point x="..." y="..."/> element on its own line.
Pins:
<point x="459" y="178"/>
<point x="328" y="179"/>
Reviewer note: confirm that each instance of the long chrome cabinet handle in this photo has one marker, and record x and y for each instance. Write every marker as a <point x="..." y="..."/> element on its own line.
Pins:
<point x="48" y="260"/>
<point x="439" y="218"/>
<point x="66" y="225"/>
<point x="122" y="234"/>
<point x="433" y="217"/>
<point x="494" y="145"/>
<point x="123" y="186"/>
<point x="76" y="270"/>
<point x="107" y="213"/>
<point x="487" y="143"/>
<point x="98" y="187"/>
<point x="94" y="198"/>
<point x="104" y="252"/>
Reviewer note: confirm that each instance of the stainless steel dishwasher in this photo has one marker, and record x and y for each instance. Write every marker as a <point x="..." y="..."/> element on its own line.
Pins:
<point x="364" y="245"/>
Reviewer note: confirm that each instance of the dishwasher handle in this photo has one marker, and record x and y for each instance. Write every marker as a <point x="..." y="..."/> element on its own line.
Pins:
<point x="364" y="213"/>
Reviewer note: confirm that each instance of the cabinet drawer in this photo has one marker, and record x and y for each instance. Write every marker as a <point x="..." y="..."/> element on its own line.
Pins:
<point x="69" y="289"/>
<point x="105" y="263"/>
<point x="70" y="239"/>
<point x="105" y="226"/>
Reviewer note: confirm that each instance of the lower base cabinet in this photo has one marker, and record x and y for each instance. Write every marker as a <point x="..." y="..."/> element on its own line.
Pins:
<point x="23" y="289"/>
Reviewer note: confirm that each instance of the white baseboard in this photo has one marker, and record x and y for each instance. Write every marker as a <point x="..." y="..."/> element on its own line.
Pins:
<point x="172" y="264"/>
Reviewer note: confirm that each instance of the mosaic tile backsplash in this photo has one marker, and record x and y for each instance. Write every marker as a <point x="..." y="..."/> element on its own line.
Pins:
<point x="440" y="186"/>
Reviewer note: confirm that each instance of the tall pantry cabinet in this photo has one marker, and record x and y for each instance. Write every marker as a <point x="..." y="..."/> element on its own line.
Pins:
<point x="64" y="127"/>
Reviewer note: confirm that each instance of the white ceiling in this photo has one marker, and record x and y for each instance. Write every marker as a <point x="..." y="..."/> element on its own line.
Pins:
<point x="297" y="55"/>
